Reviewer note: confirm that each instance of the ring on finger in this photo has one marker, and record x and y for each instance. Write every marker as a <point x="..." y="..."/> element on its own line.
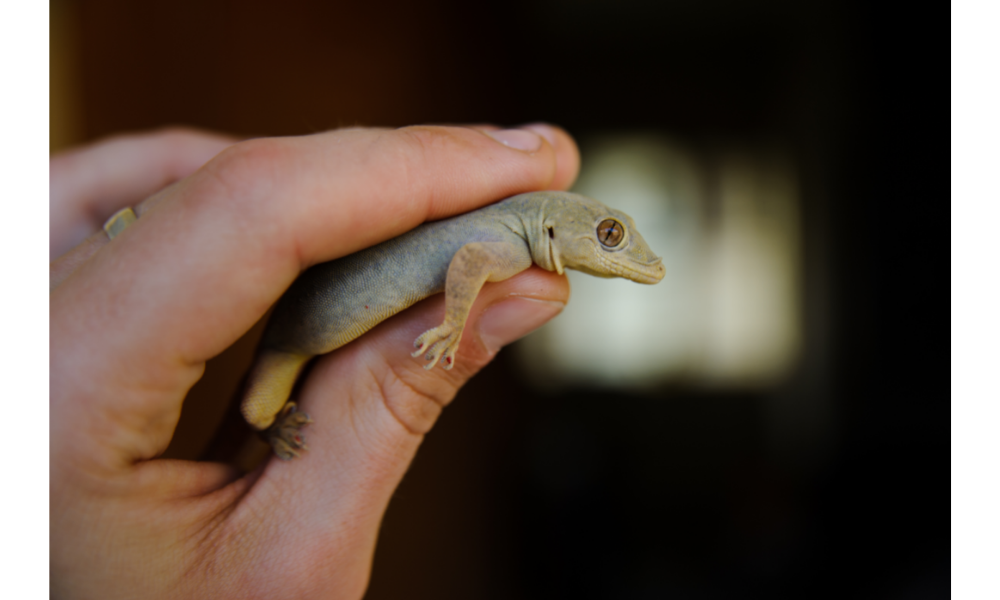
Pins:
<point x="119" y="221"/>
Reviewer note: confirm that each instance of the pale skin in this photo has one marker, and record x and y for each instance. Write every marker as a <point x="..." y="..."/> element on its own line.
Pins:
<point x="237" y="222"/>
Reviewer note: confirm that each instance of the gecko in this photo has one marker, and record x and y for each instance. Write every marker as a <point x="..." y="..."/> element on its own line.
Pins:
<point x="333" y="303"/>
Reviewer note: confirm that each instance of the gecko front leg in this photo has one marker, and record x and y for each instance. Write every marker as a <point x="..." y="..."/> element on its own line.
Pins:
<point x="472" y="266"/>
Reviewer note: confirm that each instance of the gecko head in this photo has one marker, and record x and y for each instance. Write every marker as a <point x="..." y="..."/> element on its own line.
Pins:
<point x="587" y="236"/>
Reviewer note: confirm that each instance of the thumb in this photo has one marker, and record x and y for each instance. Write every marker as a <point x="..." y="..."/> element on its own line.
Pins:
<point x="372" y="403"/>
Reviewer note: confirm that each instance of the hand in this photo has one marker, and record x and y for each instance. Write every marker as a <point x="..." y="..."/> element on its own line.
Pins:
<point x="133" y="321"/>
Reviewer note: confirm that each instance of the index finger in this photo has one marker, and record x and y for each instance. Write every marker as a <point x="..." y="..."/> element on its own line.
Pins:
<point x="205" y="263"/>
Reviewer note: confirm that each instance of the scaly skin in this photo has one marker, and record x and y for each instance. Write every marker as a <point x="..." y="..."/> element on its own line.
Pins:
<point x="336" y="302"/>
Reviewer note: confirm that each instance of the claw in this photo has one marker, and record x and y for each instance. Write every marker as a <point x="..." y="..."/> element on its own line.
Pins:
<point x="439" y="342"/>
<point x="283" y="435"/>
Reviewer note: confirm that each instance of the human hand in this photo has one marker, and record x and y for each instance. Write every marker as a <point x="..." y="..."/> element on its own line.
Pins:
<point x="132" y="322"/>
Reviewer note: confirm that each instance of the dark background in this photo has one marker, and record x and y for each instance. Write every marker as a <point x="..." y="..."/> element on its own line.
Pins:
<point x="680" y="493"/>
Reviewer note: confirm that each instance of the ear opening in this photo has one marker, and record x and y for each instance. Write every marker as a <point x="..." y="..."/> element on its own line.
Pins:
<point x="552" y="233"/>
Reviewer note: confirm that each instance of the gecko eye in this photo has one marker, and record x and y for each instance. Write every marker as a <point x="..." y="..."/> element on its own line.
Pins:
<point x="610" y="233"/>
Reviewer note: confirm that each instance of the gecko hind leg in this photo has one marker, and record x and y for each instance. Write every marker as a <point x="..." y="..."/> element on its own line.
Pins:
<point x="283" y="435"/>
<point x="265" y="403"/>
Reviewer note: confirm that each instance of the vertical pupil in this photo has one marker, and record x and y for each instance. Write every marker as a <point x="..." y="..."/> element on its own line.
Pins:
<point x="610" y="232"/>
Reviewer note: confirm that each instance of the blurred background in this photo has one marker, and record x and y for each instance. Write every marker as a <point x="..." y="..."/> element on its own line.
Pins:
<point x="769" y="421"/>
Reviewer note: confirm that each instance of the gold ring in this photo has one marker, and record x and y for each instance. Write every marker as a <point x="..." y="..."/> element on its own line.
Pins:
<point x="118" y="222"/>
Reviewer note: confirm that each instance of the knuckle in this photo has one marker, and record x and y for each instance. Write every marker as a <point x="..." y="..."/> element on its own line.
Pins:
<point x="254" y="156"/>
<point x="412" y="402"/>
<point x="249" y="168"/>
<point x="415" y="155"/>
<point x="428" y="138"/>
<point x="422" y="146"/>
<point x="241" y="184"/>
<point x="416" y="397"/>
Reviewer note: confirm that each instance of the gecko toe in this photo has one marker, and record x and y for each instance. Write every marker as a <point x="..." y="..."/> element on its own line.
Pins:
<point x="284" y="434"/>
<point x="439" y="343"/>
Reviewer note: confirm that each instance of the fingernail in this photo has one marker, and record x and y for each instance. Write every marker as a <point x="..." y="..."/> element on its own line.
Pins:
<point x="514" y="318"/>
<point x="519" y="139"/>
<point x="546" y="131"/>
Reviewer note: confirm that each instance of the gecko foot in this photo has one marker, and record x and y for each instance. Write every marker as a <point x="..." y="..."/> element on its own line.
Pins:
<point x="284" y="436"/>
<point x="439" y="342"/>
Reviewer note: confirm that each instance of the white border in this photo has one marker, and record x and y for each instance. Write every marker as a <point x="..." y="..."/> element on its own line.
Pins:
<point x="24" y="62"/>
<point x="975" y="298"/>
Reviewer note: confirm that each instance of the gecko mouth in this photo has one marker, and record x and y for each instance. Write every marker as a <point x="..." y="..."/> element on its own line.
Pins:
<point x="649" y="273"/>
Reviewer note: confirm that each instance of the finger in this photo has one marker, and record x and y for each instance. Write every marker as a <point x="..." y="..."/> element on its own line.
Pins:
<point x="372" y="403"/>
<point x="567" y="167"/>
<point x="567" y="154"/>
<point x="197" y="270"/>
<point x="63" y="267"/>
<point x="89" y="184"/>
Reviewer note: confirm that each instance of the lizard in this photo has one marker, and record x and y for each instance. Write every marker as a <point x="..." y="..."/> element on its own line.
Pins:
<point x="333" y="303"/>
